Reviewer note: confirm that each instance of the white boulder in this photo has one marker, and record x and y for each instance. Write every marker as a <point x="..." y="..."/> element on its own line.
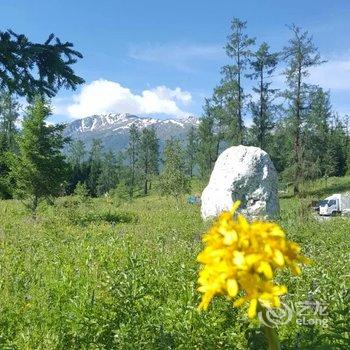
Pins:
<point x="247" y="174"/>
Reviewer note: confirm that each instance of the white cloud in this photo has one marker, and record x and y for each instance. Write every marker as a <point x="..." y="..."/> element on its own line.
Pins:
<point x="180" y="56"/>
<point x="177" y="94"/>
<point x="104" y="96"/>
<point x="334" y="74"/>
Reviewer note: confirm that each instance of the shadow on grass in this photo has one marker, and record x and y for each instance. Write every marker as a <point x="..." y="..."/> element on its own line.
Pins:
<point x="285" y="196"/>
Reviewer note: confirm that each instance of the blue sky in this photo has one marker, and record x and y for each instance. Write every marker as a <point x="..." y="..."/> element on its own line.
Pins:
<point x="161" y="58"/>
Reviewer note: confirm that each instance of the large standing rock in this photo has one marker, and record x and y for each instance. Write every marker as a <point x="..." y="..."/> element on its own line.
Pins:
<point x="245" y="173"/>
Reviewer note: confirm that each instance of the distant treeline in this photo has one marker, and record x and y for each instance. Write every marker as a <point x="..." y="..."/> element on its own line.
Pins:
<point x="295" y="125"/>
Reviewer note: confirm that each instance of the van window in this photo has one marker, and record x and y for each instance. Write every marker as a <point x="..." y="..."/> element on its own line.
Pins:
<point x="332" y="202"/>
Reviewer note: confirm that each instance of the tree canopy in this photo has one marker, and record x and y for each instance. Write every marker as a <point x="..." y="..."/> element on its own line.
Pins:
<point x="30" y="69"/>
<point x="39" y="168"/>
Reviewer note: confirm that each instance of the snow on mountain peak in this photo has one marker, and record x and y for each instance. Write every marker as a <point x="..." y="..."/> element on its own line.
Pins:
<point x="123" y="121"/>
<point x="113" y="129"/>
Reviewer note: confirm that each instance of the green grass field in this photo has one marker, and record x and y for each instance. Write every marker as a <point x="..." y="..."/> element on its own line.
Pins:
<point x="101" y="276"/>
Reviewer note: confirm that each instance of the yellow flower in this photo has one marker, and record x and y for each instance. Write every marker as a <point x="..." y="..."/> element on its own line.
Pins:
<point x="241" y="259"/>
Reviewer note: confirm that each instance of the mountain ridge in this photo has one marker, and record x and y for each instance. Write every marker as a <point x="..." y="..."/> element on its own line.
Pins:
<point x="113" y="129"/>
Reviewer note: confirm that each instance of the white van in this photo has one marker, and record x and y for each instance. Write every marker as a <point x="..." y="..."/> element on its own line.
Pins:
<point x="335" y="204"/>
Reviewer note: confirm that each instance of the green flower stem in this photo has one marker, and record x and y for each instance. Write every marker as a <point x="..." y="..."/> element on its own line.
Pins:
<point x="271" y="335"/>
<point x="273" y="342"/>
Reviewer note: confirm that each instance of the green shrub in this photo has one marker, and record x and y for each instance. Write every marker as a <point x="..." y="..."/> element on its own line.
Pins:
<point x="85" y="218"/>
<point x="81" y="192"/>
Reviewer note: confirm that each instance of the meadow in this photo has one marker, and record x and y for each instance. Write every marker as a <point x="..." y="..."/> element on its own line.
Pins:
<point x="111" y="274"/>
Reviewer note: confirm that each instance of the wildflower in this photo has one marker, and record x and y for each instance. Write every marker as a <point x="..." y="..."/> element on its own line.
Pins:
<point x="240" y="260"/>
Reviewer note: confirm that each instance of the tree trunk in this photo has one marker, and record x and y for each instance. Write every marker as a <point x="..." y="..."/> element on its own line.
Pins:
<point x="239" y="121"/>
<point x="34" y="206"/>
<point x="261" y="131"/>
<point x="146" y="179"/>
<point x="217" y="148"/>
<point x="145" y="190"/>
<point x="297" y="138"/>
<point x="132" y="176"/>
<point x="191" y="165"/>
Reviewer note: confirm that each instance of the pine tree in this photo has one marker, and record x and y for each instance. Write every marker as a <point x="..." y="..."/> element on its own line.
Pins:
<point x="263" y="63"/>
<point x="81" y="192"/>
<point x="318" y="154"/>
<point x="78" y="165"/>
<point x="223" y="106"/>
<point x="300" y="55"/>
<point x="280" y="148"/>
<point x="191" y="151"/>
<point x="207" y="143"/>
<point x="95" y="162"/>
<point x="8" y="131"/>
<point x="8" y="117"/>
<point x="133" y="154"/>
<point x="39" y="169"/>
<point x="53" y="61"/>
<point x="149" y="157"/>
<point x="108" y="177"/>
<point x="30" y="69"/>
<point x="338" y="146"/>
<point x="238" y="49"/>
<point x="77" y="153"/>
<point x="173" y="180"/>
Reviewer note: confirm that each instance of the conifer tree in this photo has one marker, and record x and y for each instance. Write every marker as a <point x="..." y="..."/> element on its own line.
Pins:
<point x="133" y="155"/>
<point x="281" y="148"/>
<point x="173" y="180"/>
<point x="9" y="113"/>
<point x="149" y="157"/>
<point x="81" y="192"/>
<point x="108" y="177"/>
<point x="300" y="55"/>
<point x="77" y="153"/>
<point x="95" y="162"/>
<point x="222" y="106"/>
<point x="191" y="151"/>
<point x="317" y="137"/>
<point x="238" y="48"/>
<point x="263" y="63"/>
<point x="8" y="131"/>
<point x="79" y="167"/>
<point x="30" y="69"/>
<point x="338" y="146"/>
<point x="207" y="142"/>
<point x="39" y="169"/>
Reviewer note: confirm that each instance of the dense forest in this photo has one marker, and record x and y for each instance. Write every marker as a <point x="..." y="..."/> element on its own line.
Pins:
<point x="295" y="124"/>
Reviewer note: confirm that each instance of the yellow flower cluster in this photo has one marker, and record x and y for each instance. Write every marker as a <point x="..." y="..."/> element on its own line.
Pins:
<point x="240" y="259"/>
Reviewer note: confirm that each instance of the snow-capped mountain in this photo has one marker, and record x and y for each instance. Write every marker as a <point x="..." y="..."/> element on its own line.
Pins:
<point x="113" y="129"/>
